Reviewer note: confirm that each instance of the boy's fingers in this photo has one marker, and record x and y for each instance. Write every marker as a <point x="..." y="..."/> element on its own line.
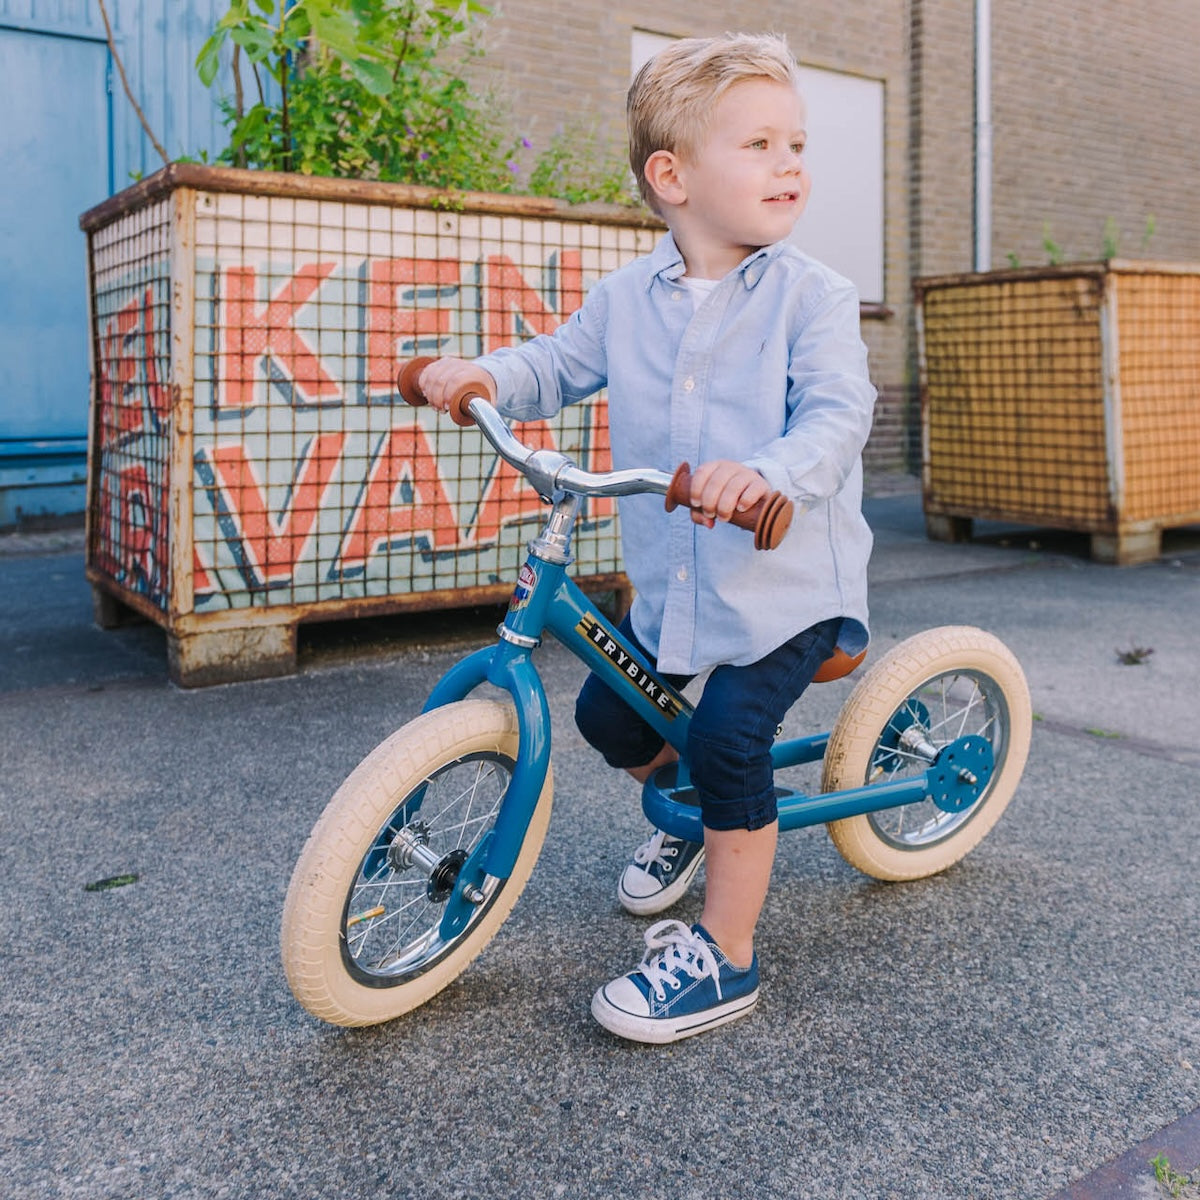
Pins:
<point x="756" y="489"/>
<point x="708" y="484"/>
<point x="425" y="384"/>
<point x="430" y="383"/>
<point x="727" y="498"/>
<point x="445" y="381"/>
<point x="721" y="488"/>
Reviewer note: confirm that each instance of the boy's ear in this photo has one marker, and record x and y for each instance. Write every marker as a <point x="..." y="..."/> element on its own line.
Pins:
<point x="663" y="175"/>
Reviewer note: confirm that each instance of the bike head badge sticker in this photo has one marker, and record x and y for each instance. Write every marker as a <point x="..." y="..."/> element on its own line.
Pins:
<point x="526" y="582"/>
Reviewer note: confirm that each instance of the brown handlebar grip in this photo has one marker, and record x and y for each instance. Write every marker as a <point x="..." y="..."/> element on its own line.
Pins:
<point x="408" y="381"/>
<point x="769" y="519"/>
<point x="409" y="386"/>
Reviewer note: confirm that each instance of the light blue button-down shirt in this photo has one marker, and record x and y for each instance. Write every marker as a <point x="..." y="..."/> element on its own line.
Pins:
<point x="770" y="370"/>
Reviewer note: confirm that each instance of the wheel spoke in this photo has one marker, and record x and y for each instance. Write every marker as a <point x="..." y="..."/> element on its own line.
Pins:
<point x="457" y="806"/>
<point x="944" y="709"/>
<point x="460" y="804"/>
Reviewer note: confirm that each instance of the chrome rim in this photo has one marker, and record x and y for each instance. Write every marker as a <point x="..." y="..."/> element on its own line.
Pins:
<point x="946" y="707"/>
<point x="391" y="925"/>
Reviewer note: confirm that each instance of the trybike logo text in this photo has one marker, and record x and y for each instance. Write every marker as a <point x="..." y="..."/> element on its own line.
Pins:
<point x="668" y="703"/>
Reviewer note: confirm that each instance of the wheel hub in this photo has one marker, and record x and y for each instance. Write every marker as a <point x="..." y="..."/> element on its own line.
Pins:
<point x="961" y="773"/>
<point x="444" y="876"/>
<point x="906" y="728"/>
<point x="410" y="848"/>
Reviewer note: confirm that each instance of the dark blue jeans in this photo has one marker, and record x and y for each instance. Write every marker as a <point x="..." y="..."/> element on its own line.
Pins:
<point x="732" y="731"/>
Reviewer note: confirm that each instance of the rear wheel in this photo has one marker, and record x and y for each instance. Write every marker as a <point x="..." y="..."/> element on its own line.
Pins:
<point x="930" y="690"/>
<point x="363" y="937"/>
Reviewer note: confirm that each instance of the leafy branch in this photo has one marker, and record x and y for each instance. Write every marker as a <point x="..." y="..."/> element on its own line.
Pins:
<point x="374" y="89"/>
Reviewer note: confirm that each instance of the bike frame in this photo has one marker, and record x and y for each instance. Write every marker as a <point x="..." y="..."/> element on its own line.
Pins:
<point x="546" y="599"/>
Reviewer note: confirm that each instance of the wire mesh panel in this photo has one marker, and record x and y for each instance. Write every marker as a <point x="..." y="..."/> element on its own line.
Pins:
<point x="1066" y="396"/>
<point x="313" y="482"/>
<point x="128" y="502"/>
<point x="1159" y="319"/>
<point x="1014" y="400"/>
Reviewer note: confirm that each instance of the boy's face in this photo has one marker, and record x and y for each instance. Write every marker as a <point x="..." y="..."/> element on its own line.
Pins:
<point x="746" y="185"/>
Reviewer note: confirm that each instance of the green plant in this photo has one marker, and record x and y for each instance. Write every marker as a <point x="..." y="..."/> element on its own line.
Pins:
<point x="375" y="89"/>
<point x="1172" y="1182"/>
<point x="577" y="166"/>
<point x="282" y="41"/>
<point x="1054" y="252"/>
<point x="113" y="881"/>
<point x="1112" y="239"/>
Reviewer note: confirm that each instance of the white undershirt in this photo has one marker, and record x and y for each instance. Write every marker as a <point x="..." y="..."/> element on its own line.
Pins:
<point x="698" y="289"/>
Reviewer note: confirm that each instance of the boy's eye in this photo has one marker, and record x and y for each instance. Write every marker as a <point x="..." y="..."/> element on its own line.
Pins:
<point x="797" y="147"/>
<point x="758" y="144"/>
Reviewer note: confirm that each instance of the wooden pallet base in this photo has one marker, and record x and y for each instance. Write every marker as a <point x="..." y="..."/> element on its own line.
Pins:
<point x="203" y="653"/>
<point x="231" y="655"/>
<point x="1127" y="548"/>
<point x="1124" y="548"/>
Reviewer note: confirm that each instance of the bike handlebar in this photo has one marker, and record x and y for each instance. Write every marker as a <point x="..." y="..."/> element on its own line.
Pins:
<point x="550" y="472"/>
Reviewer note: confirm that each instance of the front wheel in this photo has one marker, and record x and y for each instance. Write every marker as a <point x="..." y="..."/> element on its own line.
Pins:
<point x="928" y="691"/>
<point x="362" y="935"/>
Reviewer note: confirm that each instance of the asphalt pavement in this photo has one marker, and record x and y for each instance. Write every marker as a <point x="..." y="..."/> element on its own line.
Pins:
<point x="1003" y="1030"/>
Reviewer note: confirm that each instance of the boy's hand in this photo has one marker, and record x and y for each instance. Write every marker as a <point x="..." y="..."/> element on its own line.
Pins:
<point x="445" y="378"/>
<point x="721" y="487"/>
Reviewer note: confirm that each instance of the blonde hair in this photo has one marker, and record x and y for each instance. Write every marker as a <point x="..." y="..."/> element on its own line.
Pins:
<point x="671" y="99"/>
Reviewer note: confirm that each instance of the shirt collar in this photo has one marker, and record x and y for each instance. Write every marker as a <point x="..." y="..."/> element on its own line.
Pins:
<point x="667" y="262"/>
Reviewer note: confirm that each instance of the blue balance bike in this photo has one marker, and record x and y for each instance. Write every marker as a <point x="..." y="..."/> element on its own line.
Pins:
<point x="424" y="849"/>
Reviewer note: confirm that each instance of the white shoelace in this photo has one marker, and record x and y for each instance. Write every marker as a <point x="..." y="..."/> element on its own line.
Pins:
<point x="672" y="947"/>
<point x="654" y="851"/>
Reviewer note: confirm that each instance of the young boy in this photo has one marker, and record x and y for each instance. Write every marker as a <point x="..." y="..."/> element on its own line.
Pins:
<point x="729" y="348"/>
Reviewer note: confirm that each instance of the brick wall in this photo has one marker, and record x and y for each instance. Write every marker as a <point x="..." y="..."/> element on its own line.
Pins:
<point x="943" y="108"/>
<point x="1097" y="108"/>
<point x="1095" y="111"/>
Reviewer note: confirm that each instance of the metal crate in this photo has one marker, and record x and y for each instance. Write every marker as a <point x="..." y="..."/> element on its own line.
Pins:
<point x="1065" y="397"/>
<point x="251" y="465"/>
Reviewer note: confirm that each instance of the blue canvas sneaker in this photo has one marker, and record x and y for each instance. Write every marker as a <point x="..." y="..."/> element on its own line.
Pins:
<point x="684" y="986"/>
<point x="663" y="867"/>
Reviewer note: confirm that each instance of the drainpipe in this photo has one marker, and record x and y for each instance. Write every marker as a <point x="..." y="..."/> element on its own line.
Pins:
<point x="983" y="135"/>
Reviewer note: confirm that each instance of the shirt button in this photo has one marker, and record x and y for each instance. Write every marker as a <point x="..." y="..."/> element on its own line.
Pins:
<point x="676" y="295"/>
<point x="689" y="384"/>
<point x="681" y="574"/>
<point x="750" y="278"/>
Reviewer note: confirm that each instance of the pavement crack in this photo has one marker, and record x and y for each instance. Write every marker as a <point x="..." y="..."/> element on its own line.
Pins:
<point x="1120" y="741"/>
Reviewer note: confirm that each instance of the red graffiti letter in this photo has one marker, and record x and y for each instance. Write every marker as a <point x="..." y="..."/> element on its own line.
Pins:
<point x="401" y="317"/>
<point x="252" y="333"/>
<point x="120" y="406"/>
<point x="203" y="587"/>
<point x="132" y="541"/>
<point x="268" y="547"/>
<point x="515" y="311"/>
<point x="403" y="500"/>
<point x="508" y="496"/>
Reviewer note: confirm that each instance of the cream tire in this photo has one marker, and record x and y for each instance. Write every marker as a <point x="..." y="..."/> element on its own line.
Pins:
<point x="952" y="681"/>
<point x="360" y="936"/>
